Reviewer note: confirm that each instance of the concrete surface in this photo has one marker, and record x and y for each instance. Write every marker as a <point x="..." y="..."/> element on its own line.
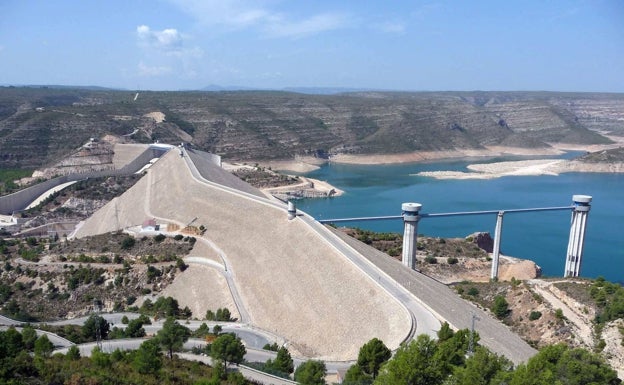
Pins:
<point x="291" y="281"/>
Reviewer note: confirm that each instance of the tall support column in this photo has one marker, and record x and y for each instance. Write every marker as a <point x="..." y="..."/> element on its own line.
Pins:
<point x="292" y="210"/>
<point x="576" y="242"/>
<point x="497" y="241"/>
<point x="410" y="233"/>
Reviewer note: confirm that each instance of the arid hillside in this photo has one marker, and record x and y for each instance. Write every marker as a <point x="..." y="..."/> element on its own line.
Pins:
<point x="39" y="126"/>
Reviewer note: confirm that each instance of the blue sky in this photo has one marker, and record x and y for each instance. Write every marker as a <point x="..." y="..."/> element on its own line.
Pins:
<point x="271" y="44"/>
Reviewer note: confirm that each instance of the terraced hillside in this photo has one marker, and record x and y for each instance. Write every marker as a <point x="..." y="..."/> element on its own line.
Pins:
<point x="39" y="126"/>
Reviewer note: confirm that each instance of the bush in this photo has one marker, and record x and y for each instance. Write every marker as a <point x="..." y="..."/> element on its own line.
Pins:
<point x="180" y="264"/>
<point x="452" y="260"/>
<point x="178" y="237"/>
<point x="535" y="315"/>
<point x="500" y="308"/>
<point x="431" y="260"/>
<point x="272" y="347"/>
<point x="159" y="238"/>
<point x="473" y="291"/>
<point x="127" y="243"/>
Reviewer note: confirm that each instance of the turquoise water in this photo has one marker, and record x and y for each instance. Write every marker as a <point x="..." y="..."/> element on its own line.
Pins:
<point x="542" y="237"/>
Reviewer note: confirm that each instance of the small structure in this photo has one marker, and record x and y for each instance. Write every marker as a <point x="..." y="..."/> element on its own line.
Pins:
<point x="292" y="210"/>
<point x="150" y="225"/>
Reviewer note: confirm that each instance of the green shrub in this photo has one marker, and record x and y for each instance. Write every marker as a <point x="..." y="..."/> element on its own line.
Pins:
<point x="500" y="308"/>
<point x="431" y="260"/>
<point x="535" y="315"/>
<point x="127" y="243"/>
<point x="452" y="260"/>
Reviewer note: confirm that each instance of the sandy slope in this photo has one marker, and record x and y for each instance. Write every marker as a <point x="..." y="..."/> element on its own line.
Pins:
<point x="125" y="153"/>
<point x="524" y="167"/>
<point x="208" y="290"/>
<point x="291" y="281"/>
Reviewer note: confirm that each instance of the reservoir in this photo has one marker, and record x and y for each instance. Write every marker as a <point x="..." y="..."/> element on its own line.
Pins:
<point x="379" y="190"/>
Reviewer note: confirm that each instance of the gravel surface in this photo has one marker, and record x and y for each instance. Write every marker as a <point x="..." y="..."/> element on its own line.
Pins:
<point x="290" y="280"/>
<point x="201" y="288"/>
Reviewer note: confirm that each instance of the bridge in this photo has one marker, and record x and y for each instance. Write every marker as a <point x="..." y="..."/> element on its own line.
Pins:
<point x="411" y="215"/>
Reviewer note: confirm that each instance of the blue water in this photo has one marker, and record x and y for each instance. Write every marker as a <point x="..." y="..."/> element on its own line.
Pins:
<point x="542" y="237"/>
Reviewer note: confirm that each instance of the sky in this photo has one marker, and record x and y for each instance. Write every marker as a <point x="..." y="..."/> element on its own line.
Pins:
<point x="410" y="45"/>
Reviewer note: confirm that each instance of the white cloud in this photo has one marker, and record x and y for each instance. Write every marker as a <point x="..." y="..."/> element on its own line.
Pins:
<point x="151" y="71"/>
<point x="167" y="40"/>
<point x="280" y="27"/>
<point x="167" y="53"/>
<point x="241" y="14"/>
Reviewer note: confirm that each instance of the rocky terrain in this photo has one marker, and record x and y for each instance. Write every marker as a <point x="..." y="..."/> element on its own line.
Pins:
<point x="40" y="126"/>
<point x="49" y="279"/>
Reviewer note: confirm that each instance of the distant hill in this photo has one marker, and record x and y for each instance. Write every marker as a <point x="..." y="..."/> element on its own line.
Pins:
<point x="59" y="86"/>
<point x="607" y="156"/>
<point x="39" y="126"/>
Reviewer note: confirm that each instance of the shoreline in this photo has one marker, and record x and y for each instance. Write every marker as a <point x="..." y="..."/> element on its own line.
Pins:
<point x="308" y="187"/>
<point x="477" y="170"/>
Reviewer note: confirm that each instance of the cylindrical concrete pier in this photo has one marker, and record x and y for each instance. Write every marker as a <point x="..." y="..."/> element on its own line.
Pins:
<point x="410" y="215"/>
<point x="292" y="210"/>
<point x="576" y="242"/>
<point x="496" y="250"/>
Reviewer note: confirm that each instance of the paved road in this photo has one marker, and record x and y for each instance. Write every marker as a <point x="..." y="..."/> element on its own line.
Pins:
<point x="443" y="301"/>
<point x="252" y="355"/>
<point x="56" y="340"/>
<point x="250" y="335"/>
<point x="46" y="194"/>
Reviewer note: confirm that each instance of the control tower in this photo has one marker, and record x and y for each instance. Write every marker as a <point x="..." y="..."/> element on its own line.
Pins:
<point x="410" y="215"/>
<point x="577" y="235"/>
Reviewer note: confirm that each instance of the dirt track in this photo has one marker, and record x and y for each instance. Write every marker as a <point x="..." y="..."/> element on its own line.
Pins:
<point x="291" y="281"/>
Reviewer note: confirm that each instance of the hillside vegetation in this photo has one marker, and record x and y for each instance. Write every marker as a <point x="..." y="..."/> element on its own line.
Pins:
<point x="39" y="126"/>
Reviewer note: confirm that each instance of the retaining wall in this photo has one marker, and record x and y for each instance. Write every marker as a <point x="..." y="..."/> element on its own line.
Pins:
<point x="21" y="199"/>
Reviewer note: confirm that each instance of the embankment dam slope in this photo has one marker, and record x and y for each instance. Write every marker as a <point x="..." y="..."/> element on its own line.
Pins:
<point x="291" y="281"/>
